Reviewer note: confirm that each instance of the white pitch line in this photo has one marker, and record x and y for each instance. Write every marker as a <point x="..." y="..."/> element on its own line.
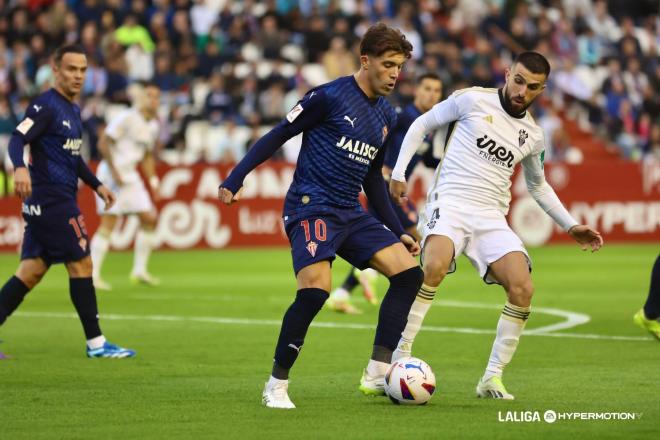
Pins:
<point x="337" y="325"/>
<point x="572" y="319"/>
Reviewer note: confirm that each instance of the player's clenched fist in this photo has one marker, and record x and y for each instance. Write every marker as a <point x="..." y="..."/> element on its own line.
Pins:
<point x="227" y="197"/>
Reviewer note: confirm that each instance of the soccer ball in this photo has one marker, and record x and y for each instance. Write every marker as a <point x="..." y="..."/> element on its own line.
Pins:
<point x="409" y="381"/>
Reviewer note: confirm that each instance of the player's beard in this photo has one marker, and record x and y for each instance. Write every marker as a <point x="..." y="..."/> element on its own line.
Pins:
<point x="508" y="100"/>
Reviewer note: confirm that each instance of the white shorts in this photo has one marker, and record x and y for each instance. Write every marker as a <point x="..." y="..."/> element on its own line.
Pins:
<point x="132" y="197"/>
<point x="483" y="236"/>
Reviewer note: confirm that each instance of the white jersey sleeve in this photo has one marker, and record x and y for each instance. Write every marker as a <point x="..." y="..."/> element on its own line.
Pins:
<point x="440" y="115"/>
<point x="118" y="126"/>
<point x="543" y="193"/>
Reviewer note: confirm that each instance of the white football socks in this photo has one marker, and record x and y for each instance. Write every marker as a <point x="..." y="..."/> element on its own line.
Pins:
<point x="377" y="368"/>
<point x="418" y="311"/>
<point x="96" y="342"/>
<point x="144" y="243"/>
<point x="509" y="328"/>
<point x="98" y="249"/>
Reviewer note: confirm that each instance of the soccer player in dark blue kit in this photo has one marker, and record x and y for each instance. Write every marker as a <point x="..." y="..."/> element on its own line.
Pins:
<point x="55" y="229"/>
<point x="648" y="316"/>
<point x="345" y="125"/>
<point x="427" y="93"/>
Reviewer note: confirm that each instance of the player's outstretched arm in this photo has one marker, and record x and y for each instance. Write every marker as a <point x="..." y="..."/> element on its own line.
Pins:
<point x="586" y="237"/>
<point x="439" y="115"/>
<point x="108" y="196"/>
<point x="309" y="111"/>
<point x="227" y="197"/>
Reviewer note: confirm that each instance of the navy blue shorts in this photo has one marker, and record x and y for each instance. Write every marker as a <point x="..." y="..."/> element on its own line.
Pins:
<point x="55" y="232"/>
<point x="407" y="214"/>
<point x="353" y="235"/>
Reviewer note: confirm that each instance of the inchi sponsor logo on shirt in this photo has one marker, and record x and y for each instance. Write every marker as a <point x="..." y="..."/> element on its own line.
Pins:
<point x="492" y="152"/>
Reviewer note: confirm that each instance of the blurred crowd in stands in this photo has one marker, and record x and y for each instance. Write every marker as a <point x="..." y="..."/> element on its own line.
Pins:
<point x="231" y="69"/>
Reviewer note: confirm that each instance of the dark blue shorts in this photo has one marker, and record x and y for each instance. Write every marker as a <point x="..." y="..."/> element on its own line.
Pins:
<point x="353" y="235"/>
<point x="55" y="232"/>
<point x="407" y="214"/>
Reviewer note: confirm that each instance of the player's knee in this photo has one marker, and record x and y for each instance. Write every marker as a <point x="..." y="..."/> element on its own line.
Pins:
<point x="31" y="274"/>
<point x="81" y="268"/>
<point x="520" y="294"/>
<point x="434" y="272"/>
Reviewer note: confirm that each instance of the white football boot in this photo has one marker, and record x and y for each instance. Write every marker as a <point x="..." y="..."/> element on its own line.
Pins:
<point x="275" y="394"/>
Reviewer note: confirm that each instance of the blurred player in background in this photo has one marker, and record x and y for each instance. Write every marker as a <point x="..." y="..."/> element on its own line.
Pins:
<point x="465" y="210"/>
<point x="345" y="125"/>
<point x="427" y="93"/>
<point x="129" y="140"/>
<point x="55" y="229"/>
<point x="648" y="317"/>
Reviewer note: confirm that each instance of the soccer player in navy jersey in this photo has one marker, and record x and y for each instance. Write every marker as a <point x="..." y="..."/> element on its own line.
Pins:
<point x="55" y="229"/>
<point x="427" y="93"/>
<point x="345" y="124"/>
<point x="648" y="317"/>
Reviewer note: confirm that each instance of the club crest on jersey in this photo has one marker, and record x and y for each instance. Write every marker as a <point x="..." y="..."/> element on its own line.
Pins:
<point x="384" y="133"/>
<point x="311" y="248"/>
<point x="522" y="137"/>
<point x="493" y="152"/>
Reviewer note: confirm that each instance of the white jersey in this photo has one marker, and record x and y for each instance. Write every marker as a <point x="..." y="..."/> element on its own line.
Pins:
<point x="484" y="147"/>
<point x="133" y="136"/>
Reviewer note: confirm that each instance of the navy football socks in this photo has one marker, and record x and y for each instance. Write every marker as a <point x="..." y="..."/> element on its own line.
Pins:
<point x="652" y="306"/>
<point x="11" y="296"/>
<point x="351" y="281"/>
<point x="83" y="296"/>
<point x="394" y="309"/>
<point x="295" y="323"/>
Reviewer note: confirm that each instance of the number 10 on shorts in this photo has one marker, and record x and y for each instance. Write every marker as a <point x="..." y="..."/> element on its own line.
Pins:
<point x="320" y="234"/>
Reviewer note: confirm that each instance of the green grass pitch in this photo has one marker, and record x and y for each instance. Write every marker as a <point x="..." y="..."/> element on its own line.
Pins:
<point x="205" y="341"/>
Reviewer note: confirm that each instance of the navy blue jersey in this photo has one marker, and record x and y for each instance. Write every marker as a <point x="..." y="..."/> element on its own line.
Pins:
<point x="342" y="151"/>
<point x="53" y="128"/>
<point x="393" y="146"/>
<point x="337" y="151"/>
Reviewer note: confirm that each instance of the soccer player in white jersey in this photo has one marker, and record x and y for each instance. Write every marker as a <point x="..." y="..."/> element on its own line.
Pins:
<point x="466" y="206"/>
<point x="129" y="140"/>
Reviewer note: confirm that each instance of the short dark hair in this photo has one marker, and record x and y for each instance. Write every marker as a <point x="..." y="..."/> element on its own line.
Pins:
<point x="381" y="38"/>
<point x="67" y="48"/>
<point x="534" y="62"/>
<point x="428" y="75"/>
